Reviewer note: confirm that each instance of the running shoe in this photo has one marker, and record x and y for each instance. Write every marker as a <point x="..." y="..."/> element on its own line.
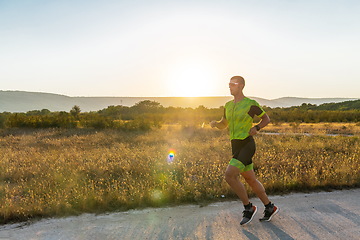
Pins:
<point x="269" y="213"/>
<point x="248" y="215"/>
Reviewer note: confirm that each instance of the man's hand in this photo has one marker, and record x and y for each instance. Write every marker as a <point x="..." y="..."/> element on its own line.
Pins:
<point x="219" y="124"/>
<point x="253" y="131"/>
<point x="213" y="124"/>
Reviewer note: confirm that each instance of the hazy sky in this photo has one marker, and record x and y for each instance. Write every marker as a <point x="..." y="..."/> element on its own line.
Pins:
<point x="299" y="48"/>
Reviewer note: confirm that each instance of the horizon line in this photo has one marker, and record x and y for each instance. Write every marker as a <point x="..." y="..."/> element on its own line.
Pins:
<point x="214" y="96"/>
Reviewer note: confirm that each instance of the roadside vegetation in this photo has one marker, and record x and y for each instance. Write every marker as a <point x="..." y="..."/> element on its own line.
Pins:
<point x="71" y="169"/>
<point x="147" y="115"/>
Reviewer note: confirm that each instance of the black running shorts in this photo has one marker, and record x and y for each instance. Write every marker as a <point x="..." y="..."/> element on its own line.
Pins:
<point x="243" y="150"/>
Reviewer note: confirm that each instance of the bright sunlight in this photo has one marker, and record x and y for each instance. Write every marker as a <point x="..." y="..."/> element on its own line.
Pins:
<point x="191" y="79"/>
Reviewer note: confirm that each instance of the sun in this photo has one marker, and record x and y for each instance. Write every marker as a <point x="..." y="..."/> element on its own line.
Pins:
<point x="191" y="79"/>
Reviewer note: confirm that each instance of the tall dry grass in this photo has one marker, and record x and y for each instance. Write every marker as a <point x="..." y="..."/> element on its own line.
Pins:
<point x="65" y="172"/>
<point x="315" y="128"/>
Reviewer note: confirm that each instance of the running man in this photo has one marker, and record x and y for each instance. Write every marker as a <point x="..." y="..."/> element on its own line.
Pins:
<point x="238" y="116"/>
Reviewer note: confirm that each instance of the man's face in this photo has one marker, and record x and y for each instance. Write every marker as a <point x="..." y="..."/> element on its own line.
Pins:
<point x="235" y="86"/>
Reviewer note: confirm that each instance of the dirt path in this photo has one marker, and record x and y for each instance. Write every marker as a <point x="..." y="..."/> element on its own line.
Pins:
<point x="324" y="215"/>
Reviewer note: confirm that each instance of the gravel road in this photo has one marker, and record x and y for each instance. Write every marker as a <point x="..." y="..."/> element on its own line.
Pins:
<point x="322" y="215"/>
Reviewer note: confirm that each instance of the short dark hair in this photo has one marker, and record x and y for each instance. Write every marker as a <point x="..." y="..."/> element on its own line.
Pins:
<point x="239" y="79"/>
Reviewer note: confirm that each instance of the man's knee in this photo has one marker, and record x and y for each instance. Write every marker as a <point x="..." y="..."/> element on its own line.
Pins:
<point x="251" y="181"/>
<point x="230" y="175"/>
<point x="250" y="178"/>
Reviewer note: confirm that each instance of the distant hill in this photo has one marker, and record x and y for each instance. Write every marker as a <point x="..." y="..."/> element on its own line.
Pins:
<point x="347" y="105"/>
<point x="294" y="101"/>
<point x="20" y="101"/>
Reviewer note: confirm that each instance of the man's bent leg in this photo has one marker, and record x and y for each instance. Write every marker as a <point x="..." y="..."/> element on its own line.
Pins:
<point x="231" y="177"/>
<point x="256" y="186"/>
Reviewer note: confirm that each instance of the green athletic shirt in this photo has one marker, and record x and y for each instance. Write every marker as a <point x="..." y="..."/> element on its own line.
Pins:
<point x="240" y="117"/>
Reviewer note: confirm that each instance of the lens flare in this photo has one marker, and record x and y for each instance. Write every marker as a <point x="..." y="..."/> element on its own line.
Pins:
<point x="157" y="196"/>
<point x="171" y="156"/>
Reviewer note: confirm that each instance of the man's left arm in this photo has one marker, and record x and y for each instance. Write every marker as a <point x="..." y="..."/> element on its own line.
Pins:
<point x="265" y="120"/>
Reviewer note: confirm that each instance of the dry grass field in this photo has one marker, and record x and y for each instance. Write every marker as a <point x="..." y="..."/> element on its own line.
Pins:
<point x="68" y="172"/>
<point x="316" y="128"/>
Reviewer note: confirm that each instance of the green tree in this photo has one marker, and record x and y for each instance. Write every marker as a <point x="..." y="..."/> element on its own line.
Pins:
<point x="75" y="111"/>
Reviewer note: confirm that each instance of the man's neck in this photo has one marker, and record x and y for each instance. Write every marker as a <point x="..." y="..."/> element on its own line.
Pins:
<point x="239" y="97"/>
